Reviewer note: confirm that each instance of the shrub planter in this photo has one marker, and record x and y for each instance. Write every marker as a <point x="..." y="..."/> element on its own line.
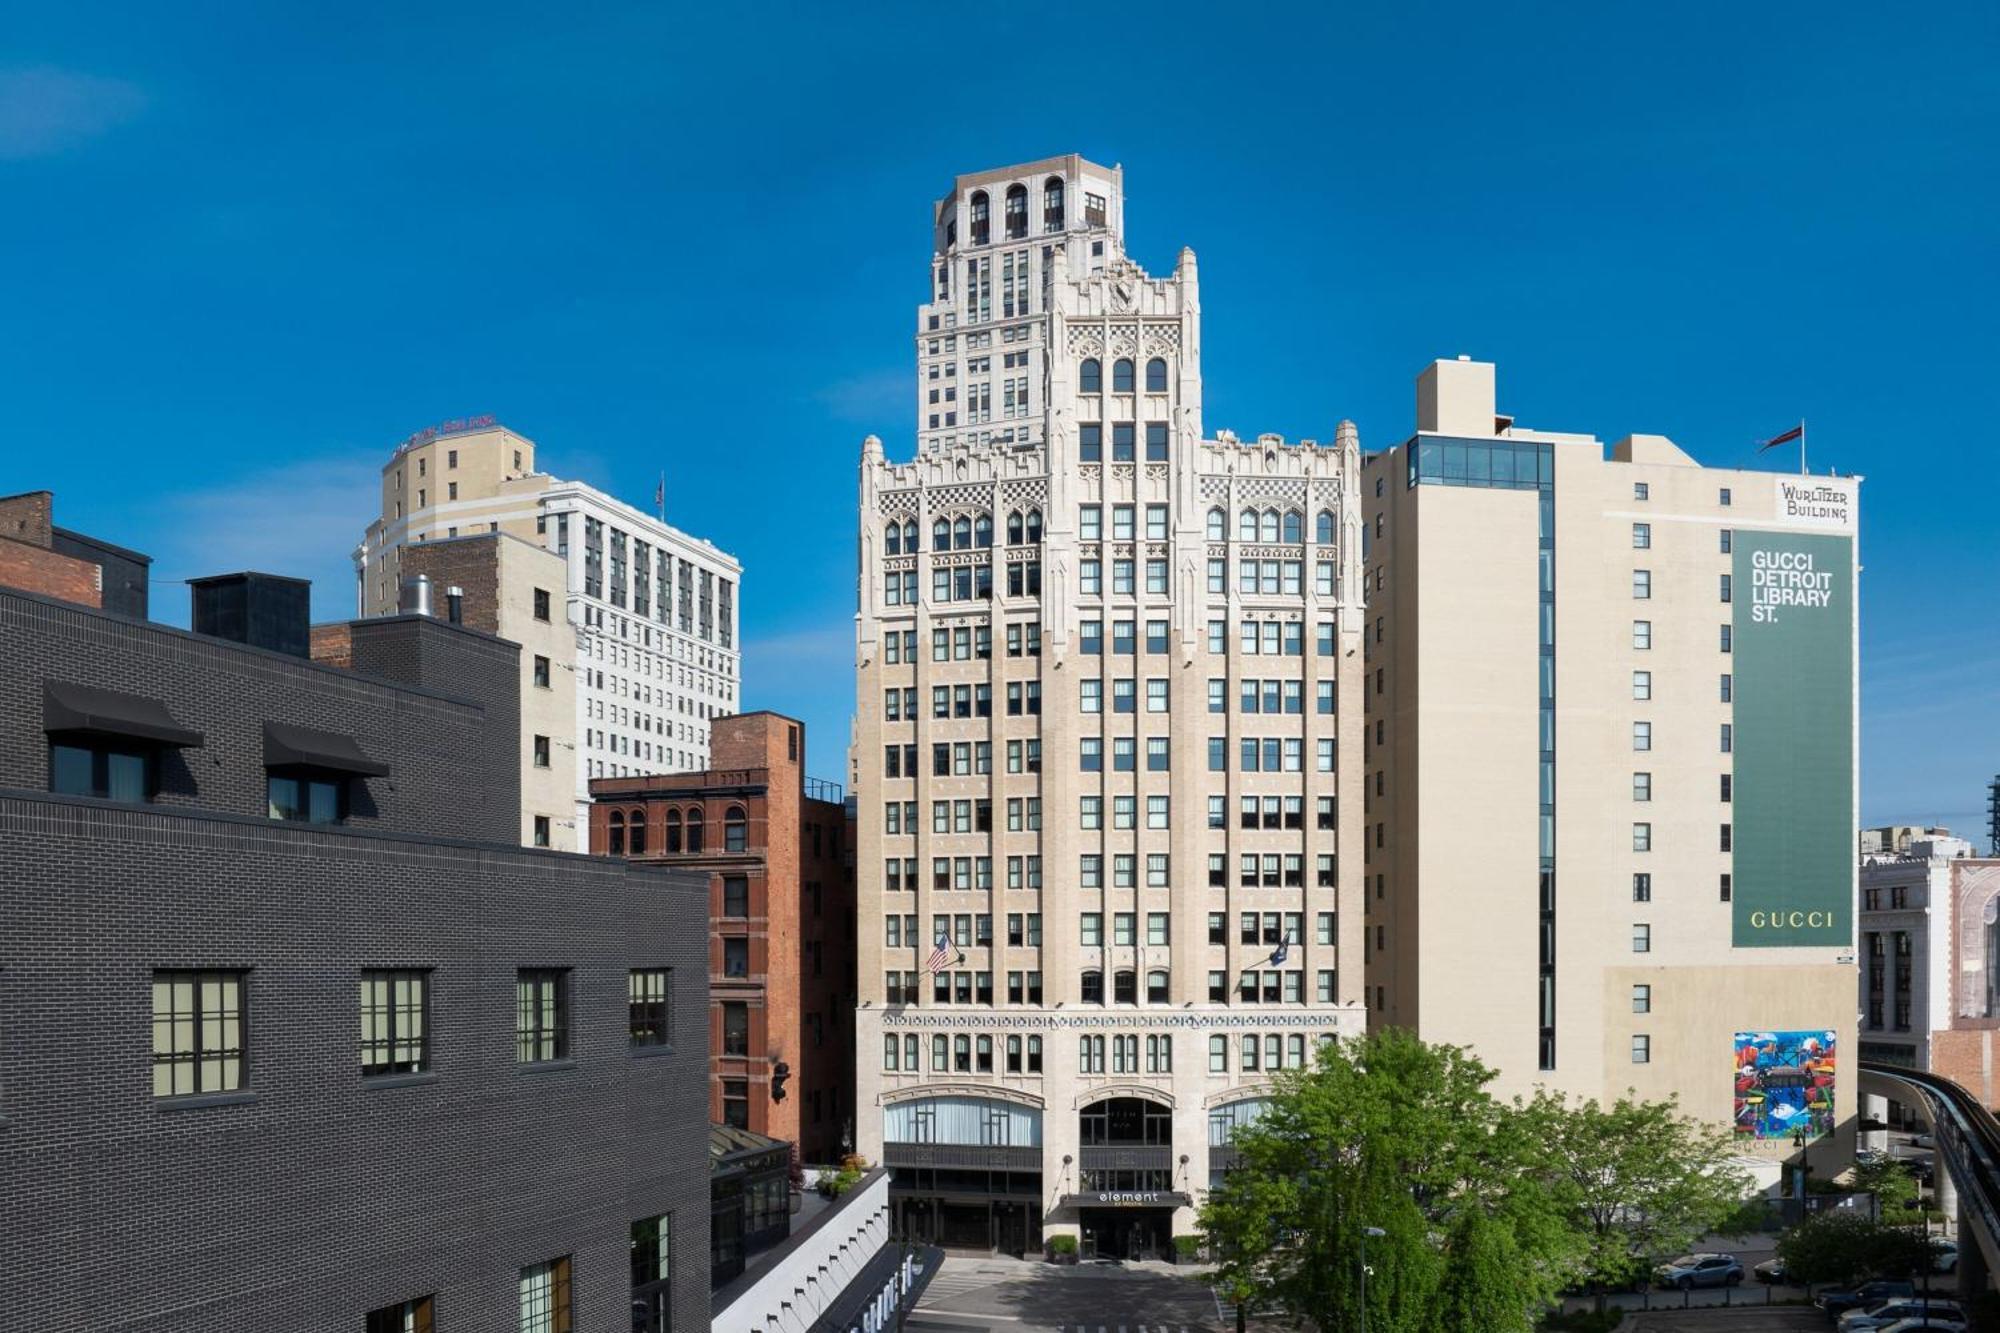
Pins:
<point x="1187" y="1249"/>
<point x="1062" y="1249"/>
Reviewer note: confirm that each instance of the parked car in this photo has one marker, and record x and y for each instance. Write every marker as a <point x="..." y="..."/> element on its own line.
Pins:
<point x="1772" y="1270"/>
<point x="1699" y="1270"/>
<point x="1923" y="1139"/>
<point x="1839" y="1300"/>
<point x="1934" y="1322"/>
<point x="1898" y="1310"/>
<point x="1944" y="1256"/>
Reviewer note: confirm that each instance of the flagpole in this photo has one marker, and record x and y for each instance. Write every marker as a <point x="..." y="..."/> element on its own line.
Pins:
<point x="1802" y="446"/>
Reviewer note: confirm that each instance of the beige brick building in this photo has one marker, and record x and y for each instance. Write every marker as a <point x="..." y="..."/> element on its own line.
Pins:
<point x="1610" y="765"/>
<point x="650" y="613"/>
<point x="1108" y="688"/>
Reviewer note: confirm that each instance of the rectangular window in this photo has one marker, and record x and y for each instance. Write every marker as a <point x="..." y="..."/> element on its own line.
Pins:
<point x="105" y="770"/>
<point x="1642" y="938"/>
<point x="414" y="1316"/>
<point x="1642" y="1048"/>
<point x="1642" y="786"/>
<point x="307" y="798"/>
<point x="1642" y="634"/>
<point x="545" y="1298"/>
<point x="735" y="1028"/>
<point x="649" y="993"/>
<point x="395" y="1028"/>
<point x="1642" y="685"/>
<point x="1642" y="999"/>
<point x="1642" y="837"/>
<point x="200" y="1033"/>
<point x="541" y="1009"/>
<point x="1642" y="584"/>
<point x="1642" y="735"/>
<point x="1642" y="888"/>
<point x="1642" y="536"/>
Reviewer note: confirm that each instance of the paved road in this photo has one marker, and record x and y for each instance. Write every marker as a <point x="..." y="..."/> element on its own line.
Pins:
<point x="1777" y="1319"/>
<point x="1010" y="1296"/>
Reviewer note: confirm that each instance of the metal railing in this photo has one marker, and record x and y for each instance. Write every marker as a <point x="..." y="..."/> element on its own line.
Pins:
<point x="1968" y="1140"/>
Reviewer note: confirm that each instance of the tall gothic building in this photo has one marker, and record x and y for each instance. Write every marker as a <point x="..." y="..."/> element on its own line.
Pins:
<point x="1109" y="683"/>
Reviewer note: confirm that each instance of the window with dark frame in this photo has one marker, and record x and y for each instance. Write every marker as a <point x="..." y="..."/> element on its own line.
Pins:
<point x="735" y="896"/>
<point x="735" y="1028"/>
<point x="541" y="1015"/>
<point x="307" y="796"/>
<point x="545" y="1298"/>
<point x="415" y="1316"/>
<point x="736" y="1103"/>
<point x="541" y="604"/>
<point x="395" y="1021"/>
<point x="652" y="1274"/>
<point x="200" y="1033"/>
<point x="649" y="999"/>
<point x="108" y="770"/>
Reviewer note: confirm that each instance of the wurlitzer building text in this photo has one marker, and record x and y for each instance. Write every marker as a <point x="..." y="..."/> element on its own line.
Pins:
<point x="1109" y="686"/>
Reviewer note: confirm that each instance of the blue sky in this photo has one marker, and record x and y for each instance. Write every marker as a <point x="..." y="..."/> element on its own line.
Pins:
<point x="247" y="249"/>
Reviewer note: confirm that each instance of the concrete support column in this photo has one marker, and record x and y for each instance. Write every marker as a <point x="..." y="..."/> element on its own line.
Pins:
<point x="1947" y="1191"/>
<point x="1972" y="1275"/>
<point x="1874" y="1106"/>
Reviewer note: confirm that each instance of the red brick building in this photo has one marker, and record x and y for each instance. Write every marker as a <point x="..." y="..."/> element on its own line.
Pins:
<point x="780" y="856"/>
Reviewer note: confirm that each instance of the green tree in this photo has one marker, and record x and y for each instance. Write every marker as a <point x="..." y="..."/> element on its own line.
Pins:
<point x="1639" y="1179"/>
<point x="1386" y="1131"/>
<point x="1894" y="1188"/>
<point x="1843" y="1245"/>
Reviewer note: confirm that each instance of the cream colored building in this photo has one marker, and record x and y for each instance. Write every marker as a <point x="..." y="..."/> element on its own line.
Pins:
<point x="651" y="611"/>
<point x="1107" y="688"/>
<point x="1610" y="764"/>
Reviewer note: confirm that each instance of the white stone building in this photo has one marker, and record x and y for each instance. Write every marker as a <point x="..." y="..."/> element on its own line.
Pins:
<point x="1101" y="663"/>
<point x="654" y="610"/>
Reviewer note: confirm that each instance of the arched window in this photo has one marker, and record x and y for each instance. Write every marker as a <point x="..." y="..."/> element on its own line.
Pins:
<point x="1121" y="375"/>
<point x="982" y="531"/>
<point x="1218" y="525"/>
<point x="1125" y="988"/>
<point x="1090" y="376"/>
<point x="636" y="840"/>
<point x="1034" y="526"/>
<point x="982" y="222"/>
<point x="694" y="831"/>
<point x="1295" y="526"/>
<point x="961" y="533"/>
<point x="1093" y="988"/>
<point x="1246" y="526"/>
<point x="892" y="540"/>
<point x="735" y="830"/>
<point x="1268" y="528"/>
<point x="910" y="537"/>
<point x="941" y="535"/>
<point x="673" y="830"/>
<point x="1014" y="528"/>
<point x="617" y="833"/>
<point x="1052" y="204"/>
<point x="1017" y="212"/>
<point x="1156" y="988"/>
<point x="1156" y="376"/>
<point x="1323" y="528"/>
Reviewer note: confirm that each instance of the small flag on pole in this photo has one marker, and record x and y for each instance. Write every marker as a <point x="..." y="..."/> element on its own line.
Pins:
<point x="940" y="956"/>
<point x="660" y="497"/>
<point x="1794" y="433"/>
<point x="1283" y="951"/>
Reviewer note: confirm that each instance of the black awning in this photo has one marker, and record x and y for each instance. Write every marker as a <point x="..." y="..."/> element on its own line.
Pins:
<point x="286" y="746"/>
<point x="85" y="708"/>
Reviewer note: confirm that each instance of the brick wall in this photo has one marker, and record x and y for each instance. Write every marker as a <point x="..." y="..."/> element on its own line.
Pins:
<point x="439" y="740"/>
<point x="323" y="1195"/>
<point x="469" y="563"/>
<point x="28" y="517"/>
<point x="33" y="569"/>
<point x="332" y="645"/>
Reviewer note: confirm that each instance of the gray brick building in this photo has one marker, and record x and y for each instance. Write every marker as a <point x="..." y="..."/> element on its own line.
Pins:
<point x="394" y="1072"/>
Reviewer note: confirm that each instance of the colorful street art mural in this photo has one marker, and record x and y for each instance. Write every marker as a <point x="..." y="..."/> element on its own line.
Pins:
<point x="1784" y="1084"/>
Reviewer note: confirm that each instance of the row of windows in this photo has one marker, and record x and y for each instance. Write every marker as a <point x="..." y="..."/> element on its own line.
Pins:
<point x="1642" y="837"/>
<point x="964" y="533"/>
<point x="1642" y="886"/>
<point x="130" y="771"/>
<point x="1642" y="585"/>
<point x="1090" y="376"/>
<point x="628" y="831"/>
<point x="1642" y="636"/>
<point x="963" y="1053"/>
<point x="201" y="1023"/>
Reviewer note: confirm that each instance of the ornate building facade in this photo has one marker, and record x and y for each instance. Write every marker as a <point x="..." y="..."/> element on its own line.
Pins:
<point x="1102" y="668"/>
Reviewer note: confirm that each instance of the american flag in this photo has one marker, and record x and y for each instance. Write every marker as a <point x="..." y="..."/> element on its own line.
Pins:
<point x="1794" y="433"/>
<point x="941" y="956"/>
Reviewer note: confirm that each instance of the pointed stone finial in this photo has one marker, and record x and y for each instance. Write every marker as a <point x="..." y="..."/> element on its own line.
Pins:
<point x="871" y="448"/>
<point x="1347" y="435"/>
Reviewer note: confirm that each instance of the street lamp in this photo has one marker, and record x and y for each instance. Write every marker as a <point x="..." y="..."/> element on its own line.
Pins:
<point x="1804" y="1167"/>
<point x="1366" y="1232"/>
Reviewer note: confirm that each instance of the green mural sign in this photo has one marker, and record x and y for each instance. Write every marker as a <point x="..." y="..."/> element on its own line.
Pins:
<point x="1792" y="645"/>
